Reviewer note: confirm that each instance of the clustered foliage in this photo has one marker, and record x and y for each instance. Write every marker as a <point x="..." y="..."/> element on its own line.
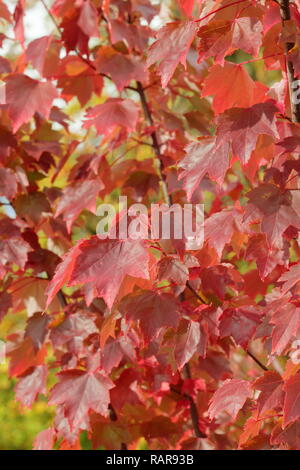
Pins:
<point x="171" y="102"/>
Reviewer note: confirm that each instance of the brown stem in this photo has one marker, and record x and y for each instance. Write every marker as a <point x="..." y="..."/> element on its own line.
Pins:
<point x="52" y="17"/>
<point x="193" y="408"/>
<point x="256" y="360"/>
<point x="285" y="14"/>
<point x="156" y="144"/>
<point x="199" y="297"/>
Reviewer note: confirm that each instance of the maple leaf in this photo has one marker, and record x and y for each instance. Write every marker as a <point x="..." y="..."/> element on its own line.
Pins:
<point x="291" y="409"/>
<point x="219" y="228"/>
<point x="103" y="260"/>
<point x="24" y="356"/>
<point x="219" y="133"/>
<point x="158" y="426"/>
<point x="89" y="392"/>
<point x="44" y="440"/>
<point x="8" y="183"/>
<point x="187" y="342"/>
<point x="289" y="436"/>
<point x="5" y="66"/>
<point x="153" y="310"/>
<point x="30" y="385"/>
<point x="272" y="394"/>
<point x="251" y="430"/>
<point x="273" y="225"/>
<point x="5" y="304"/>
<point x="14" y="250"/>
<point x="268" y="198"/>
<point x="221" y="37"/>
<point x="203" y="157"/>
<point x="76" y="79"/>
<point x="36" y="329"/>
<point x="108" y="328"/>
<point x="242" y="127"/>
<point x="78" y="325"/>
<point x="88" y="19"/>
<point x="120" y="67"/>
<point x="122" y="394"/>
<point x="216" y="365"/>
<point x="5" y="13"/>
<point x="265" y="257"/>
<point x="77" y="197"/>
<point x="18" y="16"/>
<point x="286" y="321"/>
<point x="115" y="350"/>
<point x="26" y="96"/>
<point x="62" y="274"/>
<point x="290" y="278"/>
<point x="36" y="52"/>
<point x="240" y="323"/>
<point x="247" y="34"/>
<point x="215" y="40"/>
<point x="230" y="397"/>
<point x="32" y="206"/>
<point x="187" y="6"/>
<point x="97" y="261"/>
<point x="214" y="281"/>
<point x="31" y="295"/>
<point x="72" y="34"/>
<point x="114" y="112"/>
<point x="170" y="49"/>
<point x="231" y="86"/>
<point x="108" y="434"/>
<point x="173" y="269"/>
<point x="135" y="37"/>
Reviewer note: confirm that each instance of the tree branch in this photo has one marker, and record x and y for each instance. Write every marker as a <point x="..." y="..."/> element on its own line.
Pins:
<point x="156" y="144"/>
<point x="168" y="199"/>
<point x="193" y="408"/>
<point x="285" y="14"/>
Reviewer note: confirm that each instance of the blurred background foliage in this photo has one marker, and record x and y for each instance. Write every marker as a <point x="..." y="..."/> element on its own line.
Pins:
<point x="19" y="425"/>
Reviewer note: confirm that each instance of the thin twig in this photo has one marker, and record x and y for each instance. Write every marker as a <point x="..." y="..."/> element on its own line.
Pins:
<point x="196" y="294"/>
<point x="219" y="9"/>
<point x="52" y="17"/>
<point x="156" y="144"/>
<point x="193" y="408"/>
<point x="256" y="360"/>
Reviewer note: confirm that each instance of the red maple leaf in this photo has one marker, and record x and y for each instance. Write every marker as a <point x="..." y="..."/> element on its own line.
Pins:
<point x="90" y="391"/>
